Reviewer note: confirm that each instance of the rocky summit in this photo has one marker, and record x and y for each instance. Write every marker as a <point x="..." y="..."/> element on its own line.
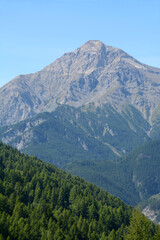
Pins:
<point x="95" y="73"/>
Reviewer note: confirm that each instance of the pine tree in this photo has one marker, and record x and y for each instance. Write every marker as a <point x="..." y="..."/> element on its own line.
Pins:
<point x="140" y="227"/>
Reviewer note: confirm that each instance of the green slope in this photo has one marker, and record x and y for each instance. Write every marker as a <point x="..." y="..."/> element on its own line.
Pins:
<point x="109" y="175"/>
<point x="133" y="178"/>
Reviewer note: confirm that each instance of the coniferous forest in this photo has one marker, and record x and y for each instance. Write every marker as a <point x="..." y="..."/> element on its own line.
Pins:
<point x="38" y="201"/>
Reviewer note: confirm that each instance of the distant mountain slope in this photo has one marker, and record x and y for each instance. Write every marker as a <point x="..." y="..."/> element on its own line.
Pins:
<point x="38" y="201"/>
<point x="134" y="177"/>
<point x="87" y="133"/>
<point x="93" y="73"/>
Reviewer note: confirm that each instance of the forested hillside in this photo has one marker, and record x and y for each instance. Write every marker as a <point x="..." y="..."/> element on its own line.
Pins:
<point x="38" y="201"/>
<point x="69" y="134"/>
<point x="134" y="177"/>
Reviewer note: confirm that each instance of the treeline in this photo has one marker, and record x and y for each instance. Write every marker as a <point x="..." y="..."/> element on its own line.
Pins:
<point x="38" y="201"/>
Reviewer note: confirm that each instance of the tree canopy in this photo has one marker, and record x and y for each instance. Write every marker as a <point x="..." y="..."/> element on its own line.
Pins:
<point x="38" y="201"/>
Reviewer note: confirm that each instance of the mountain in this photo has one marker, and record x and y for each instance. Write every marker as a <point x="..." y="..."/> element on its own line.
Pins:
<point x="94" y="73"/>
<point x="134" y="177"/>
<point x="84" y="112"/>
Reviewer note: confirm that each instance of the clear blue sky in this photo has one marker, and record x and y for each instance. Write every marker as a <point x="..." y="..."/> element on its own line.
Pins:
<point x="33" y="33"/>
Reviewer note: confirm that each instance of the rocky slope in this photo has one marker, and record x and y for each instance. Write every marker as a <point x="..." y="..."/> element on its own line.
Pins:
<point x="70" y="134"/>
<point x="93" y="73"/>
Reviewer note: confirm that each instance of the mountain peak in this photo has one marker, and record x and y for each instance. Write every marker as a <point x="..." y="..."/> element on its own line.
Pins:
<point x="91" y="46"/>
<point x="94" y="72"/>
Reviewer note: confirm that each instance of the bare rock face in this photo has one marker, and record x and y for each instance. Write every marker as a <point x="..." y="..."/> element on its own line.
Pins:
<point x="93" y="73"/>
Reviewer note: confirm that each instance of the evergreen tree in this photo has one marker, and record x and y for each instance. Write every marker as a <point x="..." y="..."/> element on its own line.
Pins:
<point x="140" y="227"/>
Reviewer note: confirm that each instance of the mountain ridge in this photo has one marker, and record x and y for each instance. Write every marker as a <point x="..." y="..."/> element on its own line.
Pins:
<point x="86" y="133"/>
<point x="94" y="72"/>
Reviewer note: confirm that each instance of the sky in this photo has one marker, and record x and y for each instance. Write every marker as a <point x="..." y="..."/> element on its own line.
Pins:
<point x="34" y="33"/>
